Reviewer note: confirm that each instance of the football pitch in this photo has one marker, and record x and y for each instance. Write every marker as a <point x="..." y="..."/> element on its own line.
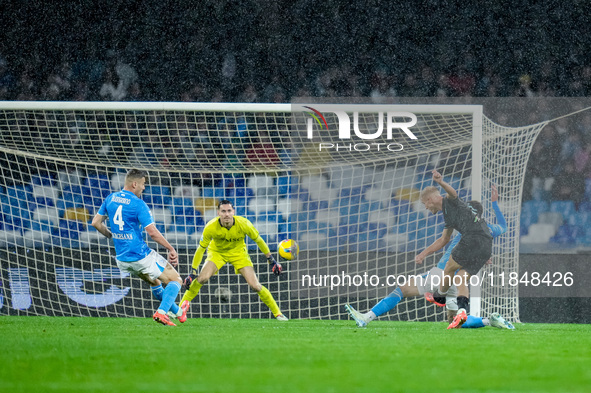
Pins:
<point x="64" y="354"/>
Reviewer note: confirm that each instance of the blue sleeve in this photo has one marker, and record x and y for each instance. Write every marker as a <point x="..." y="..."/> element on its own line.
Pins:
<point x="501" y="222"/>
<point x="496" y="230"/>
<point x="103" y="209"/>
<point x="443" y="261"/>
<point x="144" y="216"/>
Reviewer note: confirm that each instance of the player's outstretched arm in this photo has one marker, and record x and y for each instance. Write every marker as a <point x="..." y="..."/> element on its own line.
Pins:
<point x="435" y="246"/>
<point x="501" y="226"/>
<point x="276" y="268"/>
<point x="262" y="245"/>
<point x="252" y="232"/>
<point x="194" y="266"/>
<point x="198" y="257"/>
<point x="451" y="192"/>
<point x="157" y="236"/>
<point x="206" y="237"/>
<point x="443" y="261"/>
<point x="97" y="222"/>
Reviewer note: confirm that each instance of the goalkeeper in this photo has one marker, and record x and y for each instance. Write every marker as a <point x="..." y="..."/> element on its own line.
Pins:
<point x="428" y="284"/>
<point x="223" y="238"/>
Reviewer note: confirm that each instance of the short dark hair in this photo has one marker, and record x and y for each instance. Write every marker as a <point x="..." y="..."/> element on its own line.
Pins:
<point x="135" y="174"/>
<point x="225" y="202"/>
<point x="478" y="207"/>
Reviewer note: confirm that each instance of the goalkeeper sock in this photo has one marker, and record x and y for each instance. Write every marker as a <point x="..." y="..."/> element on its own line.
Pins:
<point x="193" y="290"/>
<point x="388" y="303"/>
<point x="486" y="321"/>
<point x="170" y="292"/>
<point x="267" y="298"/>
<point x="157" y="291"/>
<point x="473" y="322"/>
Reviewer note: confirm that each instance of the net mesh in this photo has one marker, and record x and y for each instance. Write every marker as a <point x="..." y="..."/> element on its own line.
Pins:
<point x="352" y="207"/>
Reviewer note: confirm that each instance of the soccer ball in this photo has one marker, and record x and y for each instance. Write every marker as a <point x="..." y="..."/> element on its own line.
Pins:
<point x="288" y="249"/>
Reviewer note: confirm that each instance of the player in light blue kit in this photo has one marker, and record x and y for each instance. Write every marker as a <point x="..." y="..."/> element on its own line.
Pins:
<point x="429" y="284"/>
<point x="128" y="214"/>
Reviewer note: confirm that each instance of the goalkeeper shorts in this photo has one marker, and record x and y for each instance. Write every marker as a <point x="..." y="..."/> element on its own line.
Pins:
<point x="238" y="260"/>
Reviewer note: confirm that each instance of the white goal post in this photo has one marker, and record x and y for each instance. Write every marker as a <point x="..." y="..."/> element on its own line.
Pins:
<point x="352" y="207"/>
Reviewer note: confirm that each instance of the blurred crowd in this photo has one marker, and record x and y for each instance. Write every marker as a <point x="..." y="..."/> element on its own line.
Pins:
<point x="559" y="167"/>
<point x="273" y="51"/>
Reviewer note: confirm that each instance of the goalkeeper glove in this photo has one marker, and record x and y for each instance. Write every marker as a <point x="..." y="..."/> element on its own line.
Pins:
<point x="275" y="267"/>
<point x="189" y="279"/>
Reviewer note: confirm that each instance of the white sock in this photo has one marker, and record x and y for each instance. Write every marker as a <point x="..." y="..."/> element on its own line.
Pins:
<point x="486" y="321"/>
<point x="179" y="312"/>
<point x="369" y="316"/>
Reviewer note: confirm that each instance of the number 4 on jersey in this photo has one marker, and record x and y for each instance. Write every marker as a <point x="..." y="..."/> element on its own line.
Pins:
<point x="118" y="218"/>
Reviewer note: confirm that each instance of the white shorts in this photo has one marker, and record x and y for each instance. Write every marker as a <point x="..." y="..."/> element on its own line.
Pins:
<point x="432" y="281"/>
<point x="153" y="265"/>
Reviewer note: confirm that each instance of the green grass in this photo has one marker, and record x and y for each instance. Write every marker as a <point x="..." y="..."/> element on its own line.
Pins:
<point x="45" y="354"/>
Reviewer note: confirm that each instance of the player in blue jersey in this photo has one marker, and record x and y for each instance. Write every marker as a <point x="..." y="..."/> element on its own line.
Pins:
<point x="428" y="283"/>
<point x="127" y="215"/>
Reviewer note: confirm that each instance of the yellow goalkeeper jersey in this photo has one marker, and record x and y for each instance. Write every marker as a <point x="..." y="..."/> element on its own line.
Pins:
<point x="230" y="242"/>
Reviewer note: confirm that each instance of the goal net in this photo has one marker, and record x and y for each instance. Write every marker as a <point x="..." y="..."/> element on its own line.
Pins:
<point x="351" y="204"/>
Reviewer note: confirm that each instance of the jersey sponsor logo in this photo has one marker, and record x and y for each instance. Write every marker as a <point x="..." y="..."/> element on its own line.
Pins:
<point x="233" y="239"/>
<point x="123" y="236"/>
<point x="125" y="201"/>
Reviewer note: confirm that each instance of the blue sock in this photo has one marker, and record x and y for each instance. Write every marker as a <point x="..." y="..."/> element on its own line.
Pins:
<point x="388" y="303"/>
<point x="473" y="322"/>
<point x="157" y="292"/>
<point x="170" y="292"/>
